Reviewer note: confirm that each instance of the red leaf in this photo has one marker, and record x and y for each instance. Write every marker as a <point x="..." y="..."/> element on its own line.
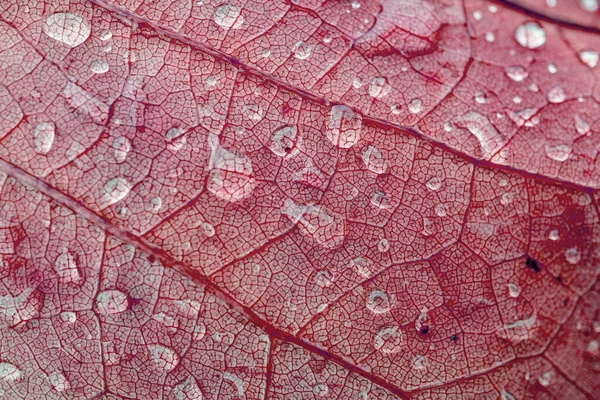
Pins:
<point x="337" y="199"/>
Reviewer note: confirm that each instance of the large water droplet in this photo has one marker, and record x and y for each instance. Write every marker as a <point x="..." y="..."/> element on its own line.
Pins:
<point x="487" y="135"/>
<point x="388" y="340"/>
<point x="363" y="266"/>
<point x="378" y="87"/>
<point x="188" y="390"/>
<point x="284" y="141"/>
<point x="302" y="50"/>
<point x="415" y="106"/>
<point x="374" y="160"/>
<point x="59" y="381"/>
<point x="67" y="269"/>
<point x="516" y="72"/>
<point x="530" y="35"/>
<point x="43" y="137"/>
<point x="581" y="125"/>
<point x="558" y="153"/>
<point x="380" y="302"/>
<point x="572" y="255"/>
<point x="321" y="389"/>
<point x="69" y="28"/>
<point x="115" y="190"/>
<point x="9" y="372"/>
<point x="228" y="16"/>
<point x="164" y="357"/>
<point x="589" y="58"/>
<point x="324" y="226"/>
<point x="99" y="67"/>
<point x="122" y="147"/>
<point x="556" y="95"/>
<point x="344" y="127"/>
<point x="112" y="302"/>
<point x="231" y="177"/>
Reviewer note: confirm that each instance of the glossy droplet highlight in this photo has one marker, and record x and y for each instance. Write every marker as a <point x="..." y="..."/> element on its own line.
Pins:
<point x="122" y="147"/>
<point x="327" y="228"/>
<point x="253" y="112"/>
<point x="302" y="50"/>
<point x="208" y="229"/>
<point x="188" y="390"/>
<point x="441" y="210"/>
<point x="558" y="153"/>
<point x="530" y="35"/>
<point x="516" y="72"/>
<point x="227" y="16"/>
<point x="231" y="177"/>
<point x="378" y="87"/>
<point x="99" y="67"/>
<point x="115" y="190"/>
<point x="175" y="139"/>
<point x="546" y="378"/>
<point x="67" y="269"/>
<point x="68" y="316"/>
<point x="388" y="340"/>
<point x="504" y="395"/>
<point x="164" y="357"/>
<point x="379" y="301"/>
<point x="155" y="204"/>
<point x="9" y="372"/>
<point x="68" y="28"/>
<point x="111" y="302"/>
<point x="589" y="58"/>
<point x="105" y="35"/>
<point x="556" y="95"/>
<point x="344" y="127"/>
<point x="374" y="160"/>
<point x="589" y="5"/>
<point x="415" y="106"/>
<point x="43" y="137"/>
<point x="554" y="235"/>
<point x="519" y="330"/>
<point x="581" y="126"/>
<point x="284" y="141"/>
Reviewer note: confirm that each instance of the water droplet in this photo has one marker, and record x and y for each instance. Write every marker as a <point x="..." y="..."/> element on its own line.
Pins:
<point x="328" y="229"/>
<point x="556" y="95"/>
<point x="68" y="316"/>
<point x="344" y="127"/>
<point x="266" y="52"/>
<point x="164" y="357"/>
<point x="530" y="35"/>
<point x="517" y="100"/>
<point x="99" y="67"/>
<point x="506" y="198"/>
<point x="116" y="190"/>
<point x="208" y="229"/>
<point x="284" y="141"/>
<point x="113" y="301"/>
<point x="440" y="210"/>
<point x="327" y="38"/>
<point x="558" y="153"/>
<point x="253" y="112"/>
<point x="589" y="5"/>
<point x="69" y="28"/>
<point x="518" y="331"/>
<point x="477" y="15"/>
<point x="513" y="290"/>
<point x="67" y="269"/>
<point x="388" y="340"/>
<point x="480" y="98"/>
<point x="533" y="87"/>
<point x="43" y="137"/>
<point x="59" y="382"/>
<point x="490" y="37"/>
<point x="448" y="126"/>
<point x="419" y="362"/>
<point x="155" y="204"/>
<point x="589" y="58"/>
<point x="504" y="395"/>
<point x="581" y="125"/>
<point x="105" y="35"/>
<point x="395" y="109"/>
<point x="9" y="372"/>
<point x="199" y="331"/>
<point x="302" y="50"/>
<point x="487" y="135"/>
<point x="378" y="87"/>
<point x="231" y="177"/>
<point x="122" y="147"/>
<point x="593" y="347"/>
<point x="188" y="390"/>
<point x="228" y="16"/>
<point x="363" y="266"/>
<point x="237" y="382"/>
<point x="175" y="139"/>
<point x="554" y="235"/>
<point x="546" y="378"/>
<point x="379" y="302"/>
<point x="415" y="106"/>
<point x="374" y="160"/>
<point x="324" y="278"/>
<point x="380" y="200"/>
<point x="492" y="8"/>
<point x="552" y="68"/>
<point x="516" y="72"/>
<point x="434" y="183"/>
<point x="383" y="245"/>
<point x="573" y="255"/>
<point x="357" y="82"/>
<point x="355" y="4"/>
<point x="321" y="389"/>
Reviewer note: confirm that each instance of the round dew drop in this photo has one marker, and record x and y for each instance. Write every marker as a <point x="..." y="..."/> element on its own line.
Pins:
<point x="116" y="190"/>
<point x="227" y="16"/>
<point x="415" y="106"/>
<point x="99" y="67"/>
<point x="530" y="35"/>
<point x="516" y="73"/>
<point x="374" y="160"/>
<point x="302" y="50"/>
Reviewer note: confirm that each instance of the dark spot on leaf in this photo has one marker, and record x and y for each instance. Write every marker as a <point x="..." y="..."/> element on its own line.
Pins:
<point x="151" y="258"/>
<point x="565" y="302"/>
<point x="559" y="278"/>
<point x="424" y="330"/>
<point x="530" y="263"/>
<point x="287" y="149"/>
<point x="454" y="338"/>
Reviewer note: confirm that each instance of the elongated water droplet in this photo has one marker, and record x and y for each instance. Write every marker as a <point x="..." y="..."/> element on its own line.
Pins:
<point x="530" y="35"/>
<point x="231" y="177"/>
<point x="302" y="50"/>
<point x="380" y="200"/>
<point x="546" y="378"/>
<point x="68" y="316"/>
<point x="383" y="245"/>
<point x="284" y="141"/>
<point x="504" y="395"/>
<point x="227" y="16"/>
<point x="374" y="160"/>
<point x="188" y="390"/>
<point x="513" y="290"/>
<point x="105" y="35"/>
<point x="558" y="153"/>
<point x="581" y="125"/>
<point x="199" y="331"/>
<point x="99" y="67"/>
<point x="344" y="127"/>
<point x="113" y="301"/>
<point x="380" y="302"/>
<point x="122" y="147"/>
<point x="415" y="106"/>
<point x="488" y="136"/>
<point x="554" y="235"/>
<point x="518" y="331"/>
<point x="236" y="381"/>
<point x="9" y="372"/>
<point x="589" y="58"/>
<point x="388" y="340"/>
<point x="43" y="137"/>
<point x="68" y="28"/>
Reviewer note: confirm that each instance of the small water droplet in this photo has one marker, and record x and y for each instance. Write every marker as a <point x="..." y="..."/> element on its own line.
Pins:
<point x="440" y="210"/>
<point x="593" y="347"/>
<point x="284" y="141"/>
<point x="516" y="72"/>
<point x="363" y="266"/>
<point x="517" y="100"/>
<point x="530" y="35"/>
<point x="378" y="87"/>
<point x="99" y="67"/>
<point x="477" y="15"/>
<point x="554" y="235"/>
<point x="513" y="290"/>
<point x="253" y="112"/>
<point x="395" y="109"/>
<point x="374" y="160"/>
<point x="266" y="52"/>
<point x="188" y="390"/>
<point x="227" y="16"/>
<point x="357" y="82"/>
<point x="490" y="37"/>
<point x="155" y="204"/>
<point x="552" y="68"/>
<point x="504" y="395"/>
<point x="380" y="200"/>
<point x="573" y="255"/>
<point x="199" y="331"/>
<point x="328" y="229"/>
<point x="302" y="50"/>
<point x="68" y="316"/>
<point x="506" y="198"/>
<point x="237" y="382"/>
<point x="67" y="269"/>
<point x="164" y="357"/>
<point x="388" y="340"/>
<point x="383" y="245"/>
<point x="344" y="127"/>
<point x="558" y="153"/>
<point x="419" y="362"/>
<point x="589" y="58"/>
<point x="327" y="38"/>
<point x="434" y="183"/>
<point x="415" y="106"/>
<point x="581" y="125"/>
<point x="208" y="229"/>
<point x="492" y="8"/>
<point x="448" y="126"/>
<point x="68" y="28"/>
<point x="324" y="278"/>
<point x="43" y="137"/>
<point x="113" y="301"/>
<point x="105" y="35"/>
<point x="380" y="302"/>
<point x="546" y="378"/>
<point x="355" y="4"/>
<point x="116" y="190"/>
<point x="321" y="389"/>
<point x="480" y="98"/>
<point x="122" y="147"/>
